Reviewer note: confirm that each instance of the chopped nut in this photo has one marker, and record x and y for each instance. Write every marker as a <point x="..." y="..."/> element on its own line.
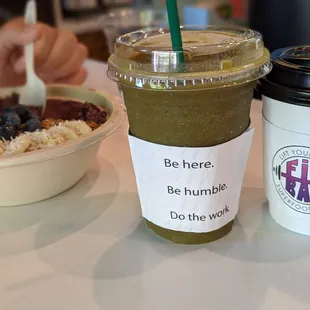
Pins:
<point x="50" y="122"/>
<point x="93" y="125"/>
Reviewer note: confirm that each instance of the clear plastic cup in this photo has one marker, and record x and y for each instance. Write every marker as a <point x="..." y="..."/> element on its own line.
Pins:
<point x="173" y="107"/>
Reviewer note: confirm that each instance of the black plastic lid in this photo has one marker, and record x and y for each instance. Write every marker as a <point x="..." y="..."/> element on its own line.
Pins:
<point x="289" y="80"/>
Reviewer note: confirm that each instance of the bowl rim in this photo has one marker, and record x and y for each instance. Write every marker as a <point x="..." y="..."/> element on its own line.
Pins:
<point x="116" y="115"/>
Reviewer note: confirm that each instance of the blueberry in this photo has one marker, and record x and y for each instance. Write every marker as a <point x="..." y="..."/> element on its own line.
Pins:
<point x="10" y="118"/>
<point x="22" y="111"/>
<point x="32" y="125"/>
<point x="7" y="132"/>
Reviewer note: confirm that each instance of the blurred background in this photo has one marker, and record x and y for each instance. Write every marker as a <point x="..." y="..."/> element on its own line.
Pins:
<point x="98" y="22"/>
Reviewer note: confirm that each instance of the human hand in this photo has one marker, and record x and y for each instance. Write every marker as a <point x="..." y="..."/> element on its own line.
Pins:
<point x="58" y="55"/>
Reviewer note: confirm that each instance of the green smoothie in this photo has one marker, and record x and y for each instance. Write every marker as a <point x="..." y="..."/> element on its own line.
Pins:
<point x="201" y="103"/>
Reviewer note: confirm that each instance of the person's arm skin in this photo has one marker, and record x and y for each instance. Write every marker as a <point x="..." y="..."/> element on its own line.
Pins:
<point x="58" y="55"/>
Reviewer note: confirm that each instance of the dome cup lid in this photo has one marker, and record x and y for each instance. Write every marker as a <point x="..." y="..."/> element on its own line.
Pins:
<point x="289" y="80"/>
<point x="214" y="57"/>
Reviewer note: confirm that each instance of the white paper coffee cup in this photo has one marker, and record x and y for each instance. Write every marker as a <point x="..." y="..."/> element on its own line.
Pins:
<point x="286" y="164"/>
<point x="286" y="117"/>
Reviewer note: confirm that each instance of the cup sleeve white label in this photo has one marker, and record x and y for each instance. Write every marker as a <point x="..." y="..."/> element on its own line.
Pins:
<point x="190" y="189"/>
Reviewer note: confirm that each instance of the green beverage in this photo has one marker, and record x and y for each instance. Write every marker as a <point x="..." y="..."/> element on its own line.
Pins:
<point x="200" y="103"/>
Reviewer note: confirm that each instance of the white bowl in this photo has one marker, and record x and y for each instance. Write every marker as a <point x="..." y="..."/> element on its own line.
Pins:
<point x="38" y="175"/>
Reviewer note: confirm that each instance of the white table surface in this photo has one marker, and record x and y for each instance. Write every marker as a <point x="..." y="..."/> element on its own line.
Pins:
<point x="88" y="248"/>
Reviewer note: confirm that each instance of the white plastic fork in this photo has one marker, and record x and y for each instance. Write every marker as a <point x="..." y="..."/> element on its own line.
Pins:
<point x="34" y="91"/>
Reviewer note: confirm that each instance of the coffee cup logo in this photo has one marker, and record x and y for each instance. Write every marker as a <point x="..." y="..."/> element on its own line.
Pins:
<point x="291" y="176"/>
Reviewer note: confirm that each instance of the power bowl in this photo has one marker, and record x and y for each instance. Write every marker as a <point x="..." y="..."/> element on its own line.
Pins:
<point x="39" y="175"/>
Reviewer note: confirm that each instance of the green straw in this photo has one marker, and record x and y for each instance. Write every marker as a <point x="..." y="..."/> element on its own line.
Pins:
<point x="175" y="30"/>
